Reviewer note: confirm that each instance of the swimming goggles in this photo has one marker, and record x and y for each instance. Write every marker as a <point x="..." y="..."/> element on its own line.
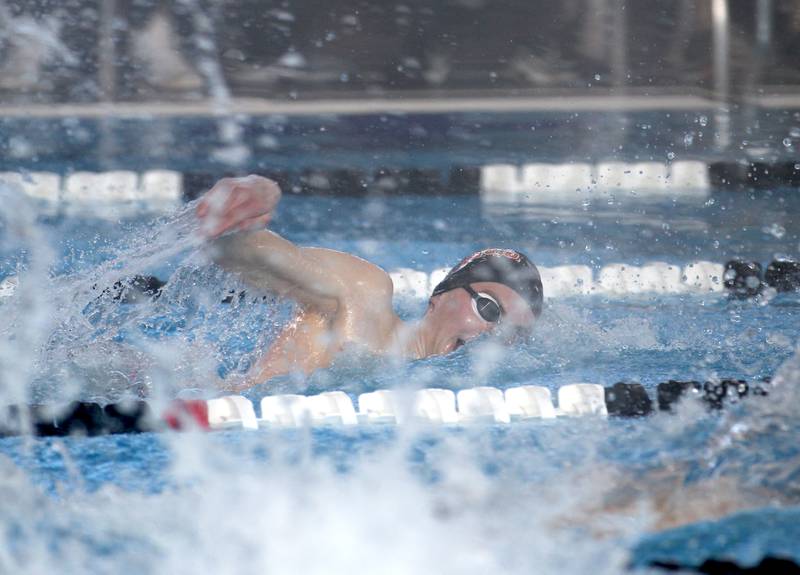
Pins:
<point x="488" y="308"/>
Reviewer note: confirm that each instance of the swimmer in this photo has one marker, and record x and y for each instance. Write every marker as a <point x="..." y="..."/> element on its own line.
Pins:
<point x="346" y="301"/>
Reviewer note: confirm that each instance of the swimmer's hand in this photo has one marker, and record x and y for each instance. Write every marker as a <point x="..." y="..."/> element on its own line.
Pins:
<point x="238" y="204"/>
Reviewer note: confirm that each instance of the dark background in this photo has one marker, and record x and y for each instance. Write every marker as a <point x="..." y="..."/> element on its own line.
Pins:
<point x="307" y="48"/>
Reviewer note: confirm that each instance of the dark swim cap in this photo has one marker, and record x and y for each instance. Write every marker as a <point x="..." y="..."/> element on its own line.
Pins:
<point x="507" y="267"/>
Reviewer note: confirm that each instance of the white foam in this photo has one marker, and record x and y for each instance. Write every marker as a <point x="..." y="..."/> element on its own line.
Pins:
<point x="582" y="399"/>
<point x="8" y="286"/>
<point x="482" y="404"/>
<point x="231" y="411"/>
<point x="529" y="401"/>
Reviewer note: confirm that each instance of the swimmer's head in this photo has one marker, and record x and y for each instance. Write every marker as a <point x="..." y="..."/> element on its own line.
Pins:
<point x="497" y="290"/>
<point x="508" y="267"/>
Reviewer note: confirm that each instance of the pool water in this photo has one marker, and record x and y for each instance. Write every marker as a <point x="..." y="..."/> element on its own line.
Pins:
<point x="561" y="496"/>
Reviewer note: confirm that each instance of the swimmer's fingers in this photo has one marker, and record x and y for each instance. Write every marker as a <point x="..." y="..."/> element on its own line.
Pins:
<point x="256" y="223"/>
<point x="215" y="198"/>
<point x="233" y="202"/>
<point x="243" y="216"/>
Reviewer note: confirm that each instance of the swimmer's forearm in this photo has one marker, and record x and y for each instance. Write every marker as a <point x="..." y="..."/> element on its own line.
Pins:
<point x="268" y="261"/>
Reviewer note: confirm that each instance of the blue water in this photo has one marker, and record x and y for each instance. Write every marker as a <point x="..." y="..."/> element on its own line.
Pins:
<point x="554" y="496"/>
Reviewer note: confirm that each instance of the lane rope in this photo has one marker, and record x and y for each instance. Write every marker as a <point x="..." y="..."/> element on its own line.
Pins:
<point x="737" y="278"/>
<point x="478" y="405"/>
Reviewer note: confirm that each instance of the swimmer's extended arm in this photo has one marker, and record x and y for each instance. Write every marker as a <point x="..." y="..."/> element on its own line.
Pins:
<point x="263" y="258"/>
<point x="267" y="261"/>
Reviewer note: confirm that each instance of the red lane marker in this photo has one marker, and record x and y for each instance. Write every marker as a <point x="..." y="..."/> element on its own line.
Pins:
<point x="186" y="413"/>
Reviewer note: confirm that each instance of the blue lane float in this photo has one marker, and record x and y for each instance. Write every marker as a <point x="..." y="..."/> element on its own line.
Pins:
<point x="478" y="405"/>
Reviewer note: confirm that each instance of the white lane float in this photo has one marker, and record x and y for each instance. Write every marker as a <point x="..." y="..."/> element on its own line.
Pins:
<point x="231" y="411"/>
<point x="568" y="182"/>
<point x="411" y="283"/>
<point x="478" y="405"/>
<point x="331" y="408"/>
<point x="287" y="410"/>
<point x="704" y="277"/>
<point x="87" y="188"/>
<point x="101" y="194"/>
<point x="42" y="186"/>
<point x="582" y="399"/>
<point x="435" y="406"/>
<point x="615" y="279"/>
<point x="529" y="402"/>
<point x="482" y="404"/>
<point x="562" y="281"/>
<point x="162" y="188"/>
<point x="380" y="406"/>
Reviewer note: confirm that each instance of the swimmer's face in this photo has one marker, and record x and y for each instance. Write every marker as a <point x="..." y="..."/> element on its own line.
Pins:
<point x="456" y="319"/>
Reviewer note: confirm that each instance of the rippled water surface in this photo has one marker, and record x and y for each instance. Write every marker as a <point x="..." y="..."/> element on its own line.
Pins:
<point x="562" y="496"/>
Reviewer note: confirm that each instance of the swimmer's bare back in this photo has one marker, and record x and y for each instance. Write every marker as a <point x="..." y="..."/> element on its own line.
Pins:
<point x="341" y="299"/>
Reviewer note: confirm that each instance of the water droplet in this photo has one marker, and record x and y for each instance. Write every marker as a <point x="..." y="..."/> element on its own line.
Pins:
<point x="787" y="142"/>
<point x="670" y="155"/>
<point x="794" y="132"/>
<point x="703" y="120"/>
<point x="597" y="76"/>
<point x="776" y="230"/>
<point x="688" y="139"/>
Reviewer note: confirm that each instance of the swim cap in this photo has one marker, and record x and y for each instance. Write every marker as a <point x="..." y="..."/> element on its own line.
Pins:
<point x="508" y="267"/>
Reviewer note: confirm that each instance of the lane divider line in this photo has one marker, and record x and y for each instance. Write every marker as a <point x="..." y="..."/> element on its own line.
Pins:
<point x="104" y="194"/>
<point x="432" y="406"/>
<point x="736" y="278"/>
<point x="556" y="183"/>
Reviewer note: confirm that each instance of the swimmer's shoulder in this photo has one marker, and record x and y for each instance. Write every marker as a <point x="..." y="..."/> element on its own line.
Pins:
<point x="360" y="275"/>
